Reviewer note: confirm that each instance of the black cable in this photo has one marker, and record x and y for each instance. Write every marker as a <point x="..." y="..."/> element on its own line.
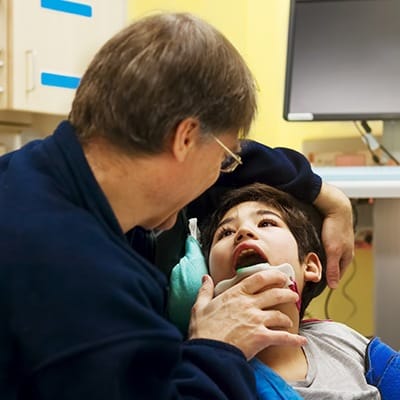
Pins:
<point x="326" y="305"/>
<point x="390" y="155"/>
<point x="344" y="293"/>
<point x="368" y="130"/>
<point x="366" y="127"/>
<point x="350" y="278"/>
<point x="344" y="290"/>
<point x="374" y="156"/>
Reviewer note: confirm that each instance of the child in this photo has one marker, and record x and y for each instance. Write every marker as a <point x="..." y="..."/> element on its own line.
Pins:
<point x="258" y="224"/>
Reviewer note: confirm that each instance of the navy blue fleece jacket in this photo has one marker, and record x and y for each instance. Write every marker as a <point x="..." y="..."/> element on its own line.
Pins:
<point x="82" y="312"/>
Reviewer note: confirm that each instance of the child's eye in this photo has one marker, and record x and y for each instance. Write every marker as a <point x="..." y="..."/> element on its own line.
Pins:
<point x="267" y="222"/>
<point x="224" y="232"/>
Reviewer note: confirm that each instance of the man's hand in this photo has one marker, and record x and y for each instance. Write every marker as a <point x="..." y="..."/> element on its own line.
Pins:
<point x="337" y="231"/>
<point x="243" y="315"/>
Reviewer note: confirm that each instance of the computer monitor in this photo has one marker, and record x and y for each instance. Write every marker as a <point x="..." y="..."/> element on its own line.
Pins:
<point x="343" y="62"/>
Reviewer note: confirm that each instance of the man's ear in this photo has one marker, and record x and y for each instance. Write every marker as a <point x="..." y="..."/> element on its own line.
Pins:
<point x="312" y="268"/>
<point x="186" y="134"/>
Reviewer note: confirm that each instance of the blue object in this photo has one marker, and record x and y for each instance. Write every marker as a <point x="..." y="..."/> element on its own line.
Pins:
<point x="270" y="386"/>
<point x="63" y="81"/>
<point x="185" y="282"/>
<point x="70" y="7"/>
<point x="383" y="369"/>
<point x="87" y="309"/>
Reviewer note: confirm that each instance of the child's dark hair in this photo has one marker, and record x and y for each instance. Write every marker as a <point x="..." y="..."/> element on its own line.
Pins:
<point x="304" y="222"/>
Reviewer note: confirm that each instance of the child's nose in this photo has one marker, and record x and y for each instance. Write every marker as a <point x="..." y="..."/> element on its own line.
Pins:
<point x="243" y="234"/>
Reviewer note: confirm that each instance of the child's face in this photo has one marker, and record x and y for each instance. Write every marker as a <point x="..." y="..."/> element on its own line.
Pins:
<point x="248" y="234"/>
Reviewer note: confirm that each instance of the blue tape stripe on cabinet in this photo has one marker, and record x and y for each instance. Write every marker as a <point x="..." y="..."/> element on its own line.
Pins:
<point x="70" y="7"/>
<point x="63" y="81"/>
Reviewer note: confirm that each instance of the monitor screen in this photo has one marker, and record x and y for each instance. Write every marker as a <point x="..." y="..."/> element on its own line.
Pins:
<point x="343" y="60"/>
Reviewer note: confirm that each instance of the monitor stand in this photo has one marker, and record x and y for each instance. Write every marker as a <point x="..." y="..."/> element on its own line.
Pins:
<point x="391" y="137"/>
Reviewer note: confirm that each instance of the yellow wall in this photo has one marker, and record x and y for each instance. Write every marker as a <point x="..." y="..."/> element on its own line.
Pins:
<point x="258" y="28"/>
<point x="352" y="302"/>
<point x="215" y="12"/>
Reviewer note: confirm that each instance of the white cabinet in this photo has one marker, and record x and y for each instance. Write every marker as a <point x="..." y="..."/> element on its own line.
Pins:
<point x="46" y="45"/>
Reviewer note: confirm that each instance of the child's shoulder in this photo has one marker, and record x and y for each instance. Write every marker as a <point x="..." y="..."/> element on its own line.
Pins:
<point x="331" y="331"/>
<point x="324" y="325"/>
<point x="315" y="323"/>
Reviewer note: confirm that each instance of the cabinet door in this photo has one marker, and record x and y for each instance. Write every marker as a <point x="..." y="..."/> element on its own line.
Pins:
<point x="3" y="54"/>
<point x="50" y="44"/>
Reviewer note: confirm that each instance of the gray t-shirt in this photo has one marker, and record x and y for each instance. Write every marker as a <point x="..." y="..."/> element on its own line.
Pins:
<point x="336" y="363"/>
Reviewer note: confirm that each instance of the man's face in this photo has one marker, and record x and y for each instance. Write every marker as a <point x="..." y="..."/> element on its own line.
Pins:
<point x="200" y="171"/>
<point x="248" y="234"/>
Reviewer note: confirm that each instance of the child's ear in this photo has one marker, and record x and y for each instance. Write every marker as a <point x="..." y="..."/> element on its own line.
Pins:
<point x="312" y="268"/>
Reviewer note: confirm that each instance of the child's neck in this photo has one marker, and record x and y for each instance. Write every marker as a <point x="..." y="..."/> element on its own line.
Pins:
<point x="287" y="361"/>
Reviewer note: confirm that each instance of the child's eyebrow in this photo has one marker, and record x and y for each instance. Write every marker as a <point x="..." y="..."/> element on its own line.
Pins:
<point x="225" y="221"/>
<point x="265" y="212"/>
<point x="259" y="212"/>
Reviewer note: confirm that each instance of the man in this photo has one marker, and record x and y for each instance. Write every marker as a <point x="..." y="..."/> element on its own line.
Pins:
<point x="83" y="313"/>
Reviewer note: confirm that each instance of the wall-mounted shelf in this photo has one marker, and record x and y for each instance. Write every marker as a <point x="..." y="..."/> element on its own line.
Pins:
<point x="364" y="182"/>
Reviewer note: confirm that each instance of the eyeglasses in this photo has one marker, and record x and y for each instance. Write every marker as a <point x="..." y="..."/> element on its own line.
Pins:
<point x="231" y="160"/>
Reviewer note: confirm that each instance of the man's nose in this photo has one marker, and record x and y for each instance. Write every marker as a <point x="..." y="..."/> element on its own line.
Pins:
<point x="243" y="234"/>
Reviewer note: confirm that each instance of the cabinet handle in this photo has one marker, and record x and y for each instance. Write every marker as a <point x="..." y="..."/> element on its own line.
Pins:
<point x="30" y="64"/>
